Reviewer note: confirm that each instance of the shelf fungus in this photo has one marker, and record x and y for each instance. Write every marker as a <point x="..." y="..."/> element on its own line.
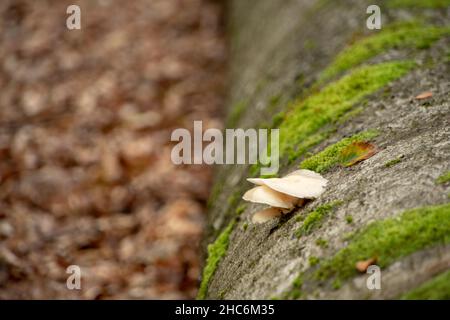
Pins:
<point x="265" y="195"/>
<point x="266" y="215"/>
<point x="283" y="194"/>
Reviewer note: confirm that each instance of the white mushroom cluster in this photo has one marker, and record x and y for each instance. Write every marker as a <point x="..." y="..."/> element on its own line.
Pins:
<point x="283" y="194"/>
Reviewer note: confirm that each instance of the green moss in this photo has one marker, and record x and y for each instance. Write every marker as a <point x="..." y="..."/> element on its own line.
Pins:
<point x="348" y="235"/>
<point x="234" y="199"/>
<point x="444" y="178"/>
<point x="300" y="129"/>
<point x="295" y="294"/>
<point x="421" y="4"/>
<point x="309" y="44"/>
<point x="312" y="119"/>
<point x="331" y="155"/>
<point x="309" y="142"/>
<point x="240" y="209"/>
<point x="437" y="288"/>
<point x="222" y="293"/>
<point x="392" y="162"/>
<point x="254" y="169"/>
<point x="337" y="284"/>
<point x="404" y="35"/>
<point x="245" y="226"/>
<point x="216" y="251"/>
<point x="313" y="260"/>
<point x="390" y="239"/>
<point x="296" y="291"/>
<point x="322" y="243"/>
<point x="349" y="219"/>
<point x="235" y="114"/>
<point x="277" y="120"/>
<point x="313" y="220"/>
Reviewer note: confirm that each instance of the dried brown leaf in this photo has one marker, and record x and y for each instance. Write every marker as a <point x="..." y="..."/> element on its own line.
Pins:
<point x="362" y="266"/>
<point x="357" y="152"/>
<point x="424" y="95"/>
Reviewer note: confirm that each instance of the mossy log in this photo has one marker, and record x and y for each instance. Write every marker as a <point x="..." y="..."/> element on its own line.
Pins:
<point x="313" y="69"/>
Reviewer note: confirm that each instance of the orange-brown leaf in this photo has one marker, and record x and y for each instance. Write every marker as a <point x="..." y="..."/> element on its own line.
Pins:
<point x="356" y="152"/>
<point x="362" y="266"/>
<point x="424" y="95"/>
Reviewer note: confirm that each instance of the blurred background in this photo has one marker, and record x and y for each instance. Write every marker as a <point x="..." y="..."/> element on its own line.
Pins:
<point x="85" y="123"/>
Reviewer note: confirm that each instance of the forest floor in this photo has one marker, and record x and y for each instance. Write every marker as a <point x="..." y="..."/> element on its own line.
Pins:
<point x="85" y="123"/>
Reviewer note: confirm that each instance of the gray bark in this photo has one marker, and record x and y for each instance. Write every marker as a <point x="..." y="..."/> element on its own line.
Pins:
<point x="277" y="43"/>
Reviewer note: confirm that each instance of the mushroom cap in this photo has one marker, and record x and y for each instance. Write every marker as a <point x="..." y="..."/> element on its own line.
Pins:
<point x="265" y="195"/>
<point x="305" y="184"/>
<point x="266" y="215"/>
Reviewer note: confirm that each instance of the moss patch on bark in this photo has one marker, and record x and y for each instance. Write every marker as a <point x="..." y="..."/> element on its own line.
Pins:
<point x="434" y="4"/>
<point x="403" y="35"/>
<point x="314" y="219"/>
<point x="390" y="239"/>
<point x="216" y="251"/>
<point x="299" y="130"/>
<point x="437" y="288"/>
<point x="444" y="178"/>
<point x="331" y="155"/>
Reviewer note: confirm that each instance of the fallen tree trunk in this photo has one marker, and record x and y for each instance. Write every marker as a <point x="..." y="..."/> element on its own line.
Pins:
<point x="313" y="69"/>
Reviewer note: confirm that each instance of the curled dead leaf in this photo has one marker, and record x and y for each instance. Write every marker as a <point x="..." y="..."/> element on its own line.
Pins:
<point x="362" y="266"/>
<point x="357" y="152"/>
<point x="424" y="95"/>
